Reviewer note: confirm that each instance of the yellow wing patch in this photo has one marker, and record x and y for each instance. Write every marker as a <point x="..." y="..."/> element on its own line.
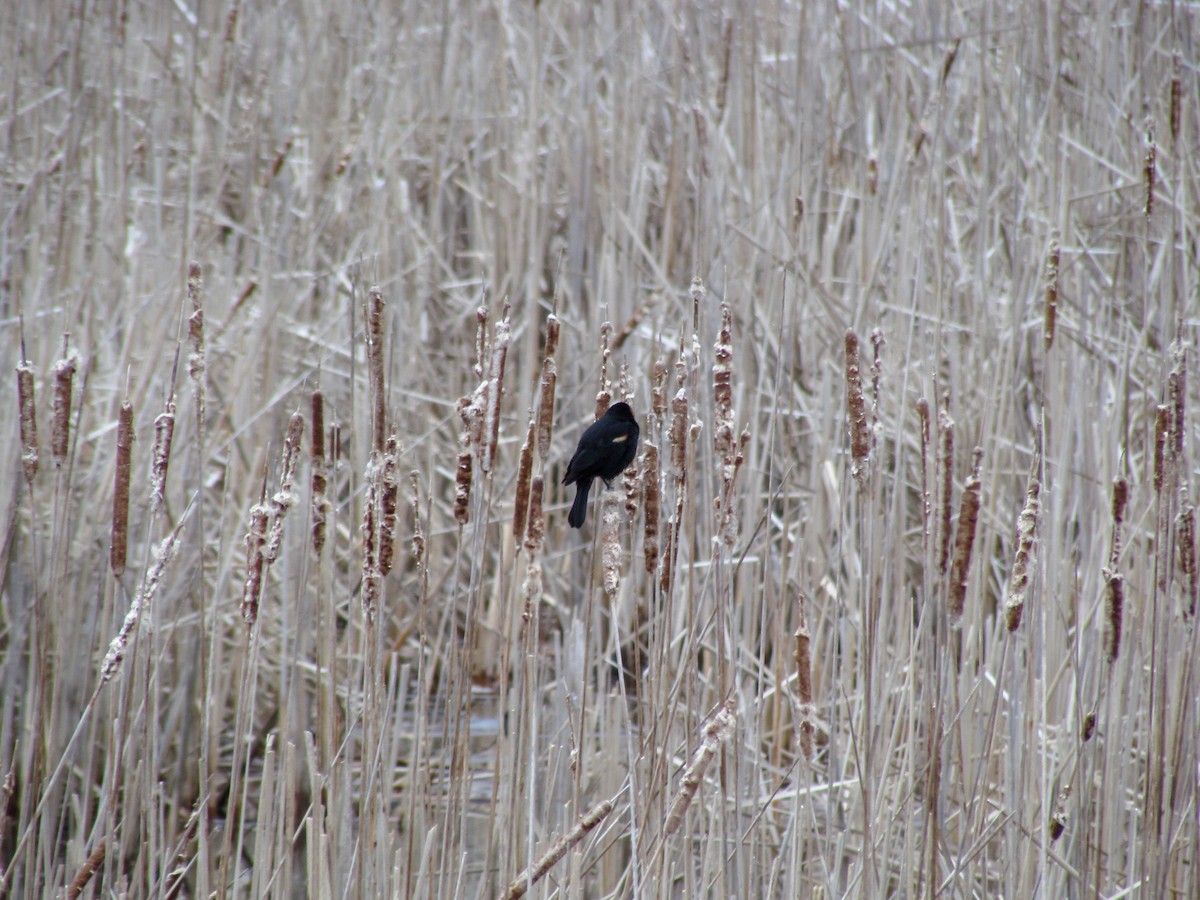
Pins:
<point x="621" y="439"/>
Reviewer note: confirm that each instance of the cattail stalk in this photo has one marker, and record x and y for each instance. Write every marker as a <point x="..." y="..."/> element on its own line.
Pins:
<point x="652" y="499"/>
<point x="610" y="542"/>
<point x="371" y="576"/>
<point x="389" y="496"/>
<point x="1162" y="435"/>
<point x="532" y="586"/>
<point x="722" y="371"/>
<point x="1185" y="540"/>
<point x="256" y="564"/>
<point x="1114" y="613"/>
<point x="120" y="517"/>
<point x="964" y="541"/>
<point x="524" y="474"/>
<point x="926" y="426"/>
<point x="1150" y="166"/>
<point x="946" y="482"/>
<point x="418" y="536"/>
<point x="142" y="601"/>
<point x="285" y="498"/>
<point x="462" y="488"/>
<point x="495" y="391"/>
<point x="87" y="871"/>
<point x="197" y="364"/>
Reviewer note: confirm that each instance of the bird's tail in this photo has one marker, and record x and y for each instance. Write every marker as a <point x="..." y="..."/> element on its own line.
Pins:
<point x="579" y="507"/>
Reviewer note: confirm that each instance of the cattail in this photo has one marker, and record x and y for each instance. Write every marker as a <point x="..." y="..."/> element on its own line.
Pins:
<point x="1162" y="433"/>
<point x="87" y="871"/>
<point x="320" y="473"/>
<point x="1185" y="540"/>
<point x="715" y="733"/>
<point x="652" y="499"/>
<point x="256" y="562"/>
<point x="1176" y="95"/>
<point x="418" y="537"/>
<point x="481" y="344"/>
<point x="964" y="541"/>
<point x="1177" y="389"/>
<point x="285" y="498"/>
<point x="495" y="391"/>
<point x="120" y="517"/>
<point x="523" y="882"/>
<point x="1058" y="819"/>
<point x="1088" y="728"/>
<point x="164" y="432"/>
<point x="678" y="435"/>
<point x="524" y="473"/>
<point x="1051" y="305"/>
<point x="375" y="368"/>
<point x="371" y="577"/>
<point x="462" y="488"/>
<point x="1114" y="611"/>
<point x="389" y="496"/>
<point x="1151" y="166"/>
<point x="1120" y="497"/>
<point x="277" y="166"/>
<point x="658" y="393"/>
<point x="860" y="443"/>
<point x="1023" y="559"/>
<point x="948" y="62"/>
<point x="877" y="344"/>
<point x="545" y="414"/>
<point x="728" y="529"/>
<point x="535" y="529"/>
<point x="142" y="601"/>
<point x="60" y="429"/>
<point x="923" y="415"/>
<point x="946" y="487"/>
<point x="699" y="293"/>
<point x="722" y="370"/>
<point x="604" y="395"/>
<point x="726" y="59"/>
<point x="196" y="358"/>
<point x="29" y="438"/>
<point x="629" y="327"/>
<point x="804" y="690"/>
<point x="610" y="542"/>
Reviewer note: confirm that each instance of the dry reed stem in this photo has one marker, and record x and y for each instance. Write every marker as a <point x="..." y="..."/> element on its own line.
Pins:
<point x="610" y="542"/>
<point x="119" y="543"/>
<point x="545" y="413"/>
<point x="804" y="691"/>
<point x="197" y="362"/>
<point x="160" y="458"/>
<point x="418" y="536"/>
<point x="860" y="442"/>
<point x="320" y="473"/>
<point x="285" y="498"/>
<point x="389" y="498"/>
<point x="29" y="436"/>
<point x="523" y="882"/>
<point x="964" y="541"/>
<point x="86" y="872"/>
<point x="375" y="368"/>
<point x="60" y="427"/>
<point x="652" y="500"/>
<point x="1050" y="316"/>
<point x="1025" y="555"/>
<point x="524" y="473"/>
<point x="256" y="542"/>
<point x="495" y="391"/>
<point x="715" y="733"/>
<point x="462" y="488"/>
<point x="142" y="602"/>
<point x="946" y="481"/>
<point x="1150" y="166"/>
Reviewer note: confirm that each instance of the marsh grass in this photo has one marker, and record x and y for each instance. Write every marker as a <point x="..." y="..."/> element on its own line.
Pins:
<point x="861" y="621"/>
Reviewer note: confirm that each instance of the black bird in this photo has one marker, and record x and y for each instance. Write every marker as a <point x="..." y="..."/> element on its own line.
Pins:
<point x="605" y="450"/>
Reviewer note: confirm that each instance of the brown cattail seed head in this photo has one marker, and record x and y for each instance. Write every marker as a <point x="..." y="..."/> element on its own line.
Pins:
<point x="1162" y="433"/>
<point x="462" y="488"/>
<point x="964" y="541"/>
<point x="120" y="516"/>
<point x="1027" y="526"/>
<point x="545" y="414"/>
<point x="389" y="496"/>
<point x="1058" y="819"/>
<point x="1114" y="613"/>
<point x="652" y="499"/>
<point x="256" y="542"/>
<point x="715" y="733"/>
<point x="320" y="473"/>
<point x="1151" y="166"/>
<point x="375" y="368"/>
<point x="1176" y="94"/>
<point x="610" y="542"/>
<point x="946" y="481"/>
<point x="29" y="437"/>
<point x="723" y="440"/>
<point x="285" y="498"/>
<point x="164" y="432"/>
<point x="1051" y="307"/>
<point x="1185" y="540"/>
<point x="1088" y="728"/>
<point x="804" y="690"/>
<point x="860" y="443"/>
<point x="64" y="378"/>
<point x="524" y="473"/>
<point x="535" y="531"/>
